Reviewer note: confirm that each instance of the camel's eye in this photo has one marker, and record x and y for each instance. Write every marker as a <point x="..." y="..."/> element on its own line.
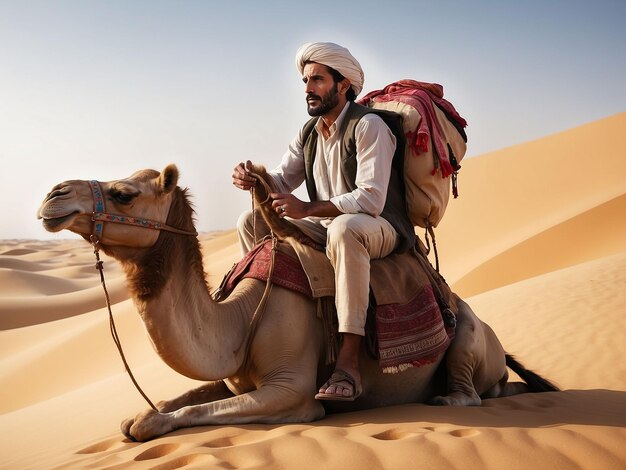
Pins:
<point x="123" y="197"/>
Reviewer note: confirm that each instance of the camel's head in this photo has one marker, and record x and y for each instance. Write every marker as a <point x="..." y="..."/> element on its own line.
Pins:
<point x="146" y="195"/>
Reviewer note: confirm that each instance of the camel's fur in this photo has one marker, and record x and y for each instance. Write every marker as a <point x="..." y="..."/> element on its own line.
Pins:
<point x="282" y="228"/>
<point x="275" y="380"/>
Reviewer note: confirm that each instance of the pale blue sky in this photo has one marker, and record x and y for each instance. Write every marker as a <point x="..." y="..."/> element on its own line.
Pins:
<point x="100" y="89"/>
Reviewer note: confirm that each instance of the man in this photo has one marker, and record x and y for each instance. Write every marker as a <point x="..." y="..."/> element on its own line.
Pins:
<point x="354" y="211"/>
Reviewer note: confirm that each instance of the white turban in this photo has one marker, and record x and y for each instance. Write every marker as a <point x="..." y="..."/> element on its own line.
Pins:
<point x="335" y="57"/>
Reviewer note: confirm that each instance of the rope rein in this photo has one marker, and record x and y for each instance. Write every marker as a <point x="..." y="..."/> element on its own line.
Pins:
<point x="260" y="310"/>
<point x="268" y="190"/>
<point x="114" y="334"/>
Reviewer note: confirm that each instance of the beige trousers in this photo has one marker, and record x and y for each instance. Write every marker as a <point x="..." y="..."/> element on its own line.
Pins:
<point x="351" y="240"/>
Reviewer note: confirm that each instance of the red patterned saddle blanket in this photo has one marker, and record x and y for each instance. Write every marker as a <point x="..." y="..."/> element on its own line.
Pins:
<point x="409" y="329"/>
<point x="288" y="271"/>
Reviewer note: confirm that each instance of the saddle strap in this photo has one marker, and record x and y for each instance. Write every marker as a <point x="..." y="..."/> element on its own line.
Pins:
<point x="449" y="318"/>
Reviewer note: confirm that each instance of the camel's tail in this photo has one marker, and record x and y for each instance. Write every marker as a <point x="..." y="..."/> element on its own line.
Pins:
<point x="535" y="382"/>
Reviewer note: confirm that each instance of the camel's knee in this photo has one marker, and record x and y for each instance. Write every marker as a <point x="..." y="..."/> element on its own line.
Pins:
<point x="310" y="409"/>
<point x="298" y="402"/>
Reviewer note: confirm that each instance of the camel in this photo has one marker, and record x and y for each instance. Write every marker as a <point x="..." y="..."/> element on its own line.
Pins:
<point x="275" y="377"/>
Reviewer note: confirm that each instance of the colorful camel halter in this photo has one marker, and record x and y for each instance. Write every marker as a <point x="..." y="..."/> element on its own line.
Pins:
<point x="99" y="217"/>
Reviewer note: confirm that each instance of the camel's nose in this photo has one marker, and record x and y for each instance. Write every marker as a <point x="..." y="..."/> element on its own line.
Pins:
<point x="59" y="202"/>
<point x="58" y="191"/>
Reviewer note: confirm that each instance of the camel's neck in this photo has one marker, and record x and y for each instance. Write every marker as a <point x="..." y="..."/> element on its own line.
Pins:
<point x="192" y="333"/>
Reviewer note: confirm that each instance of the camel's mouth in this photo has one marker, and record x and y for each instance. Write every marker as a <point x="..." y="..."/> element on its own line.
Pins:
<point x="56" y="224"/>
<point x="59" y="208"/>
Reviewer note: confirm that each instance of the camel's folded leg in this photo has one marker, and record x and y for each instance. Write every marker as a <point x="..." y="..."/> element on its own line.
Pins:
<point x="212" y="391"/>
<point x="268" y="404"/>
<point x="474" y="362"/>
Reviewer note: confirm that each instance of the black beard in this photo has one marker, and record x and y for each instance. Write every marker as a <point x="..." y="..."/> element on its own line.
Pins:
<point x="327" y="102"/>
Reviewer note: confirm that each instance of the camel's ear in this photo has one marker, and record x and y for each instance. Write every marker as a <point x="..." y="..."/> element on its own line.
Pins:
<point x="168" y="179"/>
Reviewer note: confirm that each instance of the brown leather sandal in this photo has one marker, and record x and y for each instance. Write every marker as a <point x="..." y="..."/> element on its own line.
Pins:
<point x="340" y="376"/>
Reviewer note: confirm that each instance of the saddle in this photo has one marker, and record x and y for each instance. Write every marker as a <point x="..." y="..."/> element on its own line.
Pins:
<point x="411" y="319"/>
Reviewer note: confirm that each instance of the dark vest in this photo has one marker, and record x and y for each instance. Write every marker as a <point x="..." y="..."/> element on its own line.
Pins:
<point x="395" y="203"/>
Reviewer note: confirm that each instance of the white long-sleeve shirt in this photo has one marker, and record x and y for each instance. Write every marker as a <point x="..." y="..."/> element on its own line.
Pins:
<point x="375" y="146"/>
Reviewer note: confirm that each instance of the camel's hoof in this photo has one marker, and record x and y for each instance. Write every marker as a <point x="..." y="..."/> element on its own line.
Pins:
<point x="439" y="401"/>
<point x="125" y="428"/>
<point x="147" y="425"/>
<point x="456" y="399"/>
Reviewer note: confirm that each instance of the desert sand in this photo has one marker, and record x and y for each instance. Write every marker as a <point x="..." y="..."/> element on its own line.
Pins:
<point x="536" y="244"/>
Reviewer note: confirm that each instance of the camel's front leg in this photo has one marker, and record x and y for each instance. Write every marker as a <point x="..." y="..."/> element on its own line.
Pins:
<point x="209" y="392"/>
<point x="268" y="404"/>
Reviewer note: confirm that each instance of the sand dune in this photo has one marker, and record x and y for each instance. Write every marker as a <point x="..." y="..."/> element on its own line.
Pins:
<point x="592" y="234"/>
<point x="537" y="245"/>
<point x="510" y="196"/>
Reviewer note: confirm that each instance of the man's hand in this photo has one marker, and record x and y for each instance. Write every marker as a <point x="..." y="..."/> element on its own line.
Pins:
<point x="287" y="205"/>
<point x="242" y="178"/>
